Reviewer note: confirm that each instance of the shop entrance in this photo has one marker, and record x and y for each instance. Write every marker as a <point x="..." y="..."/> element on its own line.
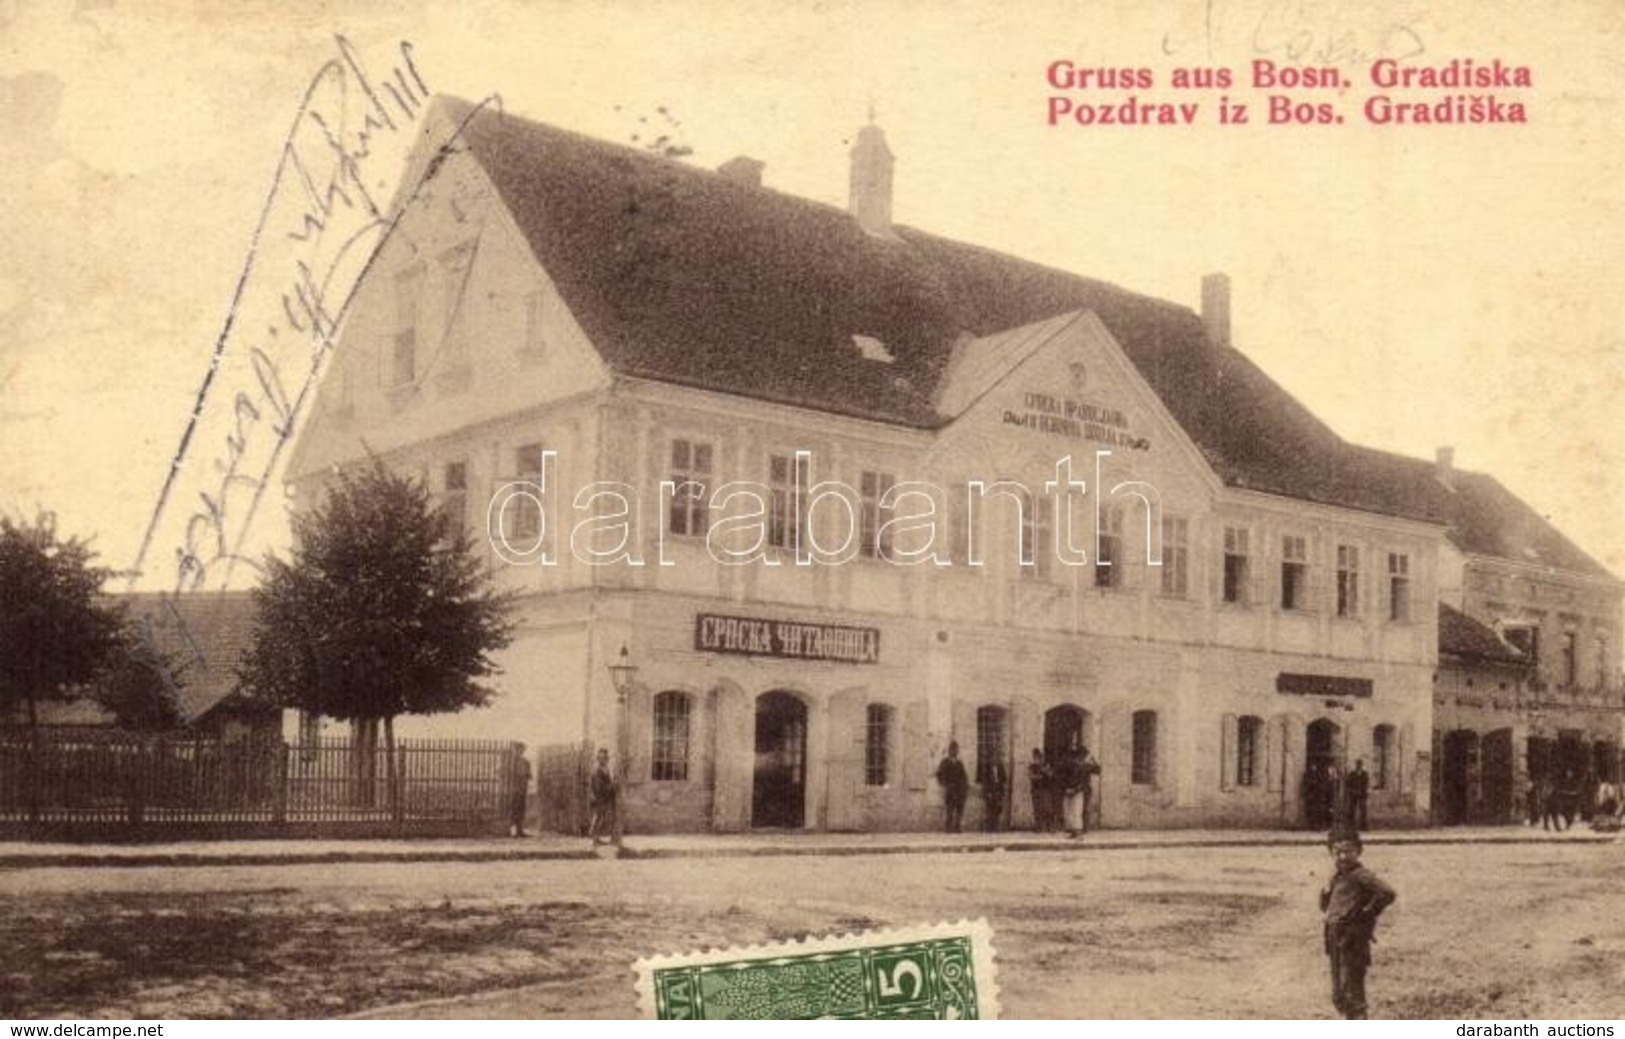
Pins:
<point x="1322" y="758"/>
<point x="1458" y="777"/>
<point x="779" y="790"/>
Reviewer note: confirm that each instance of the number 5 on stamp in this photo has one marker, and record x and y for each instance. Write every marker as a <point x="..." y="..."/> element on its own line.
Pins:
<point x="926" y="973"/>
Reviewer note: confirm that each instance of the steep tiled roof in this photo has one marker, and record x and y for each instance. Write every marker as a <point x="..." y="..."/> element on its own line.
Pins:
<point x="681" y="275"/>
<point x="1462" y="636"/>
<point x="206" y="634"/>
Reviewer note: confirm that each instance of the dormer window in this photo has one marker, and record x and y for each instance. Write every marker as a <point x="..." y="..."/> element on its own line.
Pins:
<point x="873" y="349"/>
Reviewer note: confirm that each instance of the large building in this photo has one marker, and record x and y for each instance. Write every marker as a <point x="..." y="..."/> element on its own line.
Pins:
<point x="815" y="495"/>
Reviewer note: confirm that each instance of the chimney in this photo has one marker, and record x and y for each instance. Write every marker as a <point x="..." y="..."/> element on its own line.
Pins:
<point x="1445" y="466"/>
<point x="871" y="181"/>
<point x="1216" y="308"/>
<point x="742" y="169"/>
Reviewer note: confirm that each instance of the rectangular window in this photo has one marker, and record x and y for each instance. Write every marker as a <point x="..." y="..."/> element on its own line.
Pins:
<point x="691" y="467"/>
<point x="1348" y="581"/>
<point x="527" y="511"/>
<point x="454" y="495"/>
<point x="1602" y="662"/>
<point x="877" y="745"/>
<point x="1109" y="550"/>
<point x="1399" y="586"/>
<point x="989" y="739"/>
<point x="1037" y="534"/>
<point x="670" y="758"/>
<point x="787" y="523"/>
<point x="408" y="300"/>
<point x="1571" y="659"/>
<point x="1294" y="573"/>
<point x="1143" y="760"/>
<point x="1175" y="557"/>
<point x="1248" y="730"/>
<point x="1235" y="565"/>
<point x="872" y="487"/>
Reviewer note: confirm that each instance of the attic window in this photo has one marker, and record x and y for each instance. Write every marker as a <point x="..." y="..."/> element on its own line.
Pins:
<point x="873" y="349"/>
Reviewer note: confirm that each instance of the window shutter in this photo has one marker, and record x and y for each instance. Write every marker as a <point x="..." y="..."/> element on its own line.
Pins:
<point x="1402" y="759"/>
<point x="916" y="746"/>
<point x="848" y="747"/>
<point x="639" y="735"/>
<point x="1227" y="752"/>
<point x="1275" y="754"/>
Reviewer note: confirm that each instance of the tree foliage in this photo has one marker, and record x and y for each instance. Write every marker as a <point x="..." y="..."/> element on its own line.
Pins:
<point x="141" y="687"/>
<point x="384" y="609"/>
<point x="58" y="634"/>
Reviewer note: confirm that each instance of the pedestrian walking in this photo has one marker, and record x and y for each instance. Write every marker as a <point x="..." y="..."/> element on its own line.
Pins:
<point x="518" y="791"/>
<point x="955" y="786"/>
<point x="1352" y="901"/>
<point x="1359" y="789"/>
<point x="995" y="787"/>
<point x="1040" y="777"/>
<point x="604" y="824"/>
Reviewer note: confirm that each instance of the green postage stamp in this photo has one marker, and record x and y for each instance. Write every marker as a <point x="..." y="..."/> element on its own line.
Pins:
<point x="926" y="973"/>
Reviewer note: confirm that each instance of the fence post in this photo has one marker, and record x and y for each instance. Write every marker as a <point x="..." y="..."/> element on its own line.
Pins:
<point x="397" y="791"/>
<point x="279" y="803"/>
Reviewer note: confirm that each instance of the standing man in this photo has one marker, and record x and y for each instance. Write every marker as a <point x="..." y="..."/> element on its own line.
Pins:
<point x="1039" y="779"/>
<point x="1359" y="788"/>
<point x="518" y="791"/>
<point x="1352" y="901"/>
<point x="1089" y="769"/>
<point x="995" y="787"/>
<point x="955" y="785"/>
<point x="605" y="821"/>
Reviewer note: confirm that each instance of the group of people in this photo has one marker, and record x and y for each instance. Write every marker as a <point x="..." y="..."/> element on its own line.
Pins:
<point x="1556" y="802"/>
<point x="1333" y="799"/>
<point x="1061" y="790"/>
<point x="603" y="822"/>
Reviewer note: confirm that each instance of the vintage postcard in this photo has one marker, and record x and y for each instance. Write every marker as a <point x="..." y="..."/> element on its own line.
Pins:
<point x="504" y="499"/>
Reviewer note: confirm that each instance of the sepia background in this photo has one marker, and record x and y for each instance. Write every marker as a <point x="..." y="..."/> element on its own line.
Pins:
<point x="1413" y="286"/>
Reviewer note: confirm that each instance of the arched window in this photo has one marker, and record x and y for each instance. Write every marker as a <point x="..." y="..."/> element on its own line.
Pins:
<point x="670" y="758"/>
<point x="877" y="742"/>
<point x="1382" y="756"/>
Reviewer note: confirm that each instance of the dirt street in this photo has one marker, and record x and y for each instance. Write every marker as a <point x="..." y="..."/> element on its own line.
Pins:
<point x="1496" y="931"/>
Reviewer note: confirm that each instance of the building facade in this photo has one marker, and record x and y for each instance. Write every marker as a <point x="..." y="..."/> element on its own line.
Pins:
<point x="793" y="498"/>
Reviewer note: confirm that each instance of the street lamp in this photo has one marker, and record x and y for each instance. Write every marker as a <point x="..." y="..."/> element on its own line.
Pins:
<point x="623" y="673"/>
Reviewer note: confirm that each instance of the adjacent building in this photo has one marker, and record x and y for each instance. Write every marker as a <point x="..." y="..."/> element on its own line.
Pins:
<point x="794" y="497"/>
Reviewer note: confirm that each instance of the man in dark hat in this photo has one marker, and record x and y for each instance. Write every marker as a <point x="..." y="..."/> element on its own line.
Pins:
<point x="955" y="786"/>
<point x="1352" y="901"/>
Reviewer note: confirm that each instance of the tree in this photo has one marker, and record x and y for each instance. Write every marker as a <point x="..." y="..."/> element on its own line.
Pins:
<point x="384" y="609"/>
<point x="58" y="634"/>
<point x="141" y="688"/>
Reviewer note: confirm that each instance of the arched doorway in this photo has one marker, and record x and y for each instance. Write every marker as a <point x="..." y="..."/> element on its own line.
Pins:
<point x="779" y="789"/>
<point x="1322" y="761"/>
<point x="1063" y="726"/>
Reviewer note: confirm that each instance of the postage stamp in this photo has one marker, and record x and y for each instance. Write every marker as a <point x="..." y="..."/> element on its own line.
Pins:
<point x="940" y="972"/>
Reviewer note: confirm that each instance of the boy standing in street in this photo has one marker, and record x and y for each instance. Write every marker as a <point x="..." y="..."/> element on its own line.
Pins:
<point x="1352" y="901"/>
